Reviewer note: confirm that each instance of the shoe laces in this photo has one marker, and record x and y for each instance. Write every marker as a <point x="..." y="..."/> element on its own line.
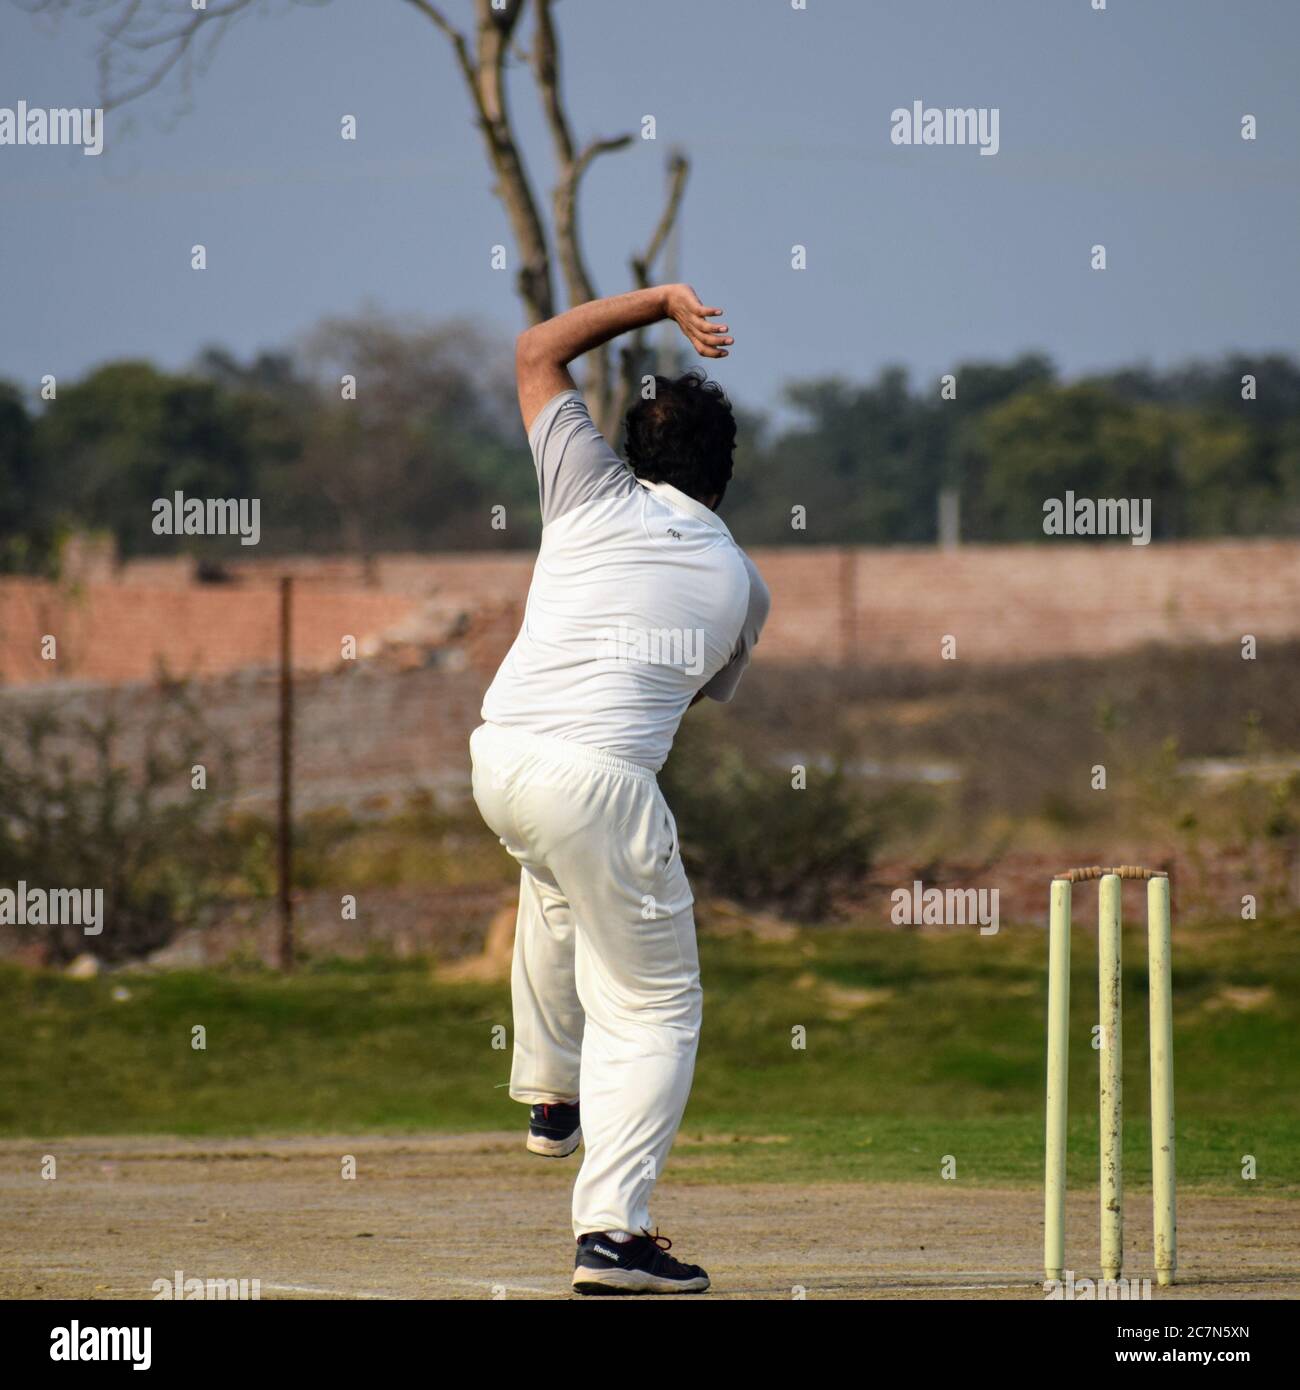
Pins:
<point x="661" y="1241"/>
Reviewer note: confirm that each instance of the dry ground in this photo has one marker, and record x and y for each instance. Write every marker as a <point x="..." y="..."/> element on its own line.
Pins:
<point x="472" y="1216"/>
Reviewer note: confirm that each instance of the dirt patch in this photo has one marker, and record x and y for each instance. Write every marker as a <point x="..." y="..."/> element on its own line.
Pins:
<point x="473" y="1216"/>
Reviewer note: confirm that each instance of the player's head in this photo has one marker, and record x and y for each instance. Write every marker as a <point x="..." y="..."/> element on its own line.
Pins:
<point x="684" y="435"/>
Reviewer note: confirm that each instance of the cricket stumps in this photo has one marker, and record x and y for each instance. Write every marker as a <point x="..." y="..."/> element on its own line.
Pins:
<point x="1111" y="1046"/>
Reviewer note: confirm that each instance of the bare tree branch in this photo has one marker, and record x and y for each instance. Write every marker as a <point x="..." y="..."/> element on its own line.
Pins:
<point x="632" y="354"/>
<point x="678" y="168"/>
<point x="568" y="243"/>
<point x="546" y="69"/>
<point x="457" y="42"/>
<point x="139" y="29"/>
<point x="141" y="43"/>
<point x="484" y="75"/>
<point x="564" y="200"/>
<point x="495" y="29"/>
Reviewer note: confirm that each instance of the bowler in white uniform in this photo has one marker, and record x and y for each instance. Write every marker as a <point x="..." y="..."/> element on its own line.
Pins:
<point x="641" y="603"/>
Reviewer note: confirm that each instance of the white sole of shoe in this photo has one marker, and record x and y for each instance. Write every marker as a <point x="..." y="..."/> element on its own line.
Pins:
<point x="554" y="1148"/>
<point x="616" y="1281"/>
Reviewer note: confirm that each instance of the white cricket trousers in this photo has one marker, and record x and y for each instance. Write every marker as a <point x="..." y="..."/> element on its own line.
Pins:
<point x="606" y="977"/>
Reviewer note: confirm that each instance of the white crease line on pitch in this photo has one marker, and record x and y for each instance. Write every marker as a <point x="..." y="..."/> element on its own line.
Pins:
<point x="487" y="1285"/>
<point x="332" y="1293"/>
<point x="955" y="1288"/>
<point x="491" y="1284"/>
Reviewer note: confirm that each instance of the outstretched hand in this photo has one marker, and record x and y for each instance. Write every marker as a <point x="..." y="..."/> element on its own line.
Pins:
<point x="693" y="318"/>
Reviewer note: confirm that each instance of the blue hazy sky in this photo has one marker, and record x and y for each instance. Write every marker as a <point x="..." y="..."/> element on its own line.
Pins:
<point x="1121" y="127"/>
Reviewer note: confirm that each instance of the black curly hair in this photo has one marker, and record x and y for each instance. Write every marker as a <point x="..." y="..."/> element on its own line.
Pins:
<point x="684" y="434"/>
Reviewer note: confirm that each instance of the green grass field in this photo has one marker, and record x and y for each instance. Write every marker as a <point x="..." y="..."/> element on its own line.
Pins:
<point x="917" y="1047"/>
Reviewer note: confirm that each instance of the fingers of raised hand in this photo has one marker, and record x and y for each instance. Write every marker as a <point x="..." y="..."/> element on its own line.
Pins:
<point x="710" y="339"/>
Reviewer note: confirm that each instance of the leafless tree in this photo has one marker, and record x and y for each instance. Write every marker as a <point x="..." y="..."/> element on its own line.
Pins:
<point x="141" y="44"/>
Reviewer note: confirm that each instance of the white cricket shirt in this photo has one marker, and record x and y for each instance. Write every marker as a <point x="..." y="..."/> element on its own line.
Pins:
<point x="640" y="598"/>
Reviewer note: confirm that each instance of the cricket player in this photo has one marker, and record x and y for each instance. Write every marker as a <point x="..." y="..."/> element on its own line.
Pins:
<point x="641" y="604"/>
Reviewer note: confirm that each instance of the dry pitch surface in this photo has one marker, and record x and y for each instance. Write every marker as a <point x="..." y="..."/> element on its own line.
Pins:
<point x="473" y="1216"/>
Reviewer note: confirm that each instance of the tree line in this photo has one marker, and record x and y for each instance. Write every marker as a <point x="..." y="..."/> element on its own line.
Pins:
<point x="377" y="435"/>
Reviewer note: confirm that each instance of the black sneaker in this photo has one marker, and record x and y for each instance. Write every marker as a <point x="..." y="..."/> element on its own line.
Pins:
<point x="639" y="1265"/>
<point x="554" y="1131"/>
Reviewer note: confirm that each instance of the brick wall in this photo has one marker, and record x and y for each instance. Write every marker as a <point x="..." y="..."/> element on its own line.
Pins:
<point x="1002" y="603"/>
<point x="122" y="632"/>
<point x="1014" y="603"/>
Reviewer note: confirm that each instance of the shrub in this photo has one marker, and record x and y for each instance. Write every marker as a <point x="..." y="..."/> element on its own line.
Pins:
<point x="81" y="806"/>
<point x="749" y="835"/>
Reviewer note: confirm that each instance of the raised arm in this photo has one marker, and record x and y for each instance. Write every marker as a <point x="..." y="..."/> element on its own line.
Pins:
<point x="543" y="352"/>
